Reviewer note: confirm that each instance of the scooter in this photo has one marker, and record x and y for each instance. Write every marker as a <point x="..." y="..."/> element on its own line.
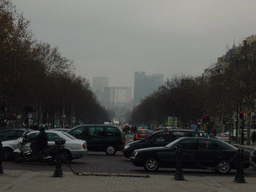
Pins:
<point x="25" y="153"/>
<point x="253" y="158"/>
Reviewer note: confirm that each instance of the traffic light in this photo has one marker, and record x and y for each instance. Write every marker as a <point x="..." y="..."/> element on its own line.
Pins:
<point x="241" y="116"/>
<point x="207" y="117"/>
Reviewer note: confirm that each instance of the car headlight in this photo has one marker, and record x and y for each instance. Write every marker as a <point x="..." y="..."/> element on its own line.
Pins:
<point x="127" y="146"/>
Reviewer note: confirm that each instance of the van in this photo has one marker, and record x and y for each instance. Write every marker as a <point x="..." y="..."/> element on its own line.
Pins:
<point x="100" y="137"/>
<point x="161" y="138"/>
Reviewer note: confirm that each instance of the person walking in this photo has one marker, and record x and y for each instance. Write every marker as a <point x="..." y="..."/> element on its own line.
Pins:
<point x="253" y="137"/>
<point x="132" y="129"/>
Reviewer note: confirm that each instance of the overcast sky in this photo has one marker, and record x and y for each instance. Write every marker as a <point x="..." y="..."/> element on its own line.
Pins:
<point x="115" y="38"/>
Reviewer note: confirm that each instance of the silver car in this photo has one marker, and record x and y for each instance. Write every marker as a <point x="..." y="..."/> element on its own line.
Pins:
<point x="74" y="148"/>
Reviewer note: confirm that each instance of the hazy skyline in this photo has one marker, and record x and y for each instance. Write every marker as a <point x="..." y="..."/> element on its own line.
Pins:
<point x="115" y="38"/>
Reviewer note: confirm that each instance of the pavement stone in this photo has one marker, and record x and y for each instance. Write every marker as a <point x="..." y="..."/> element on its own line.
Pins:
<point x="28" y="181"/>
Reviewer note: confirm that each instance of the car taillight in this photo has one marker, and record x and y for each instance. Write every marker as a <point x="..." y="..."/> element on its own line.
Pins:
<point x="136" y="136"/>
<point x="227" y="138"/>
<point x="84" y="146"/>
<point x="216" y="137"/>
<point x="248" y="157"/>
<point x="123" y="140"/>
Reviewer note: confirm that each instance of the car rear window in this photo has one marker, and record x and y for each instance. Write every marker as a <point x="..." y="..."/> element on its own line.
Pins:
<point x="69" y="136"/>
<point x="142" y="131"/>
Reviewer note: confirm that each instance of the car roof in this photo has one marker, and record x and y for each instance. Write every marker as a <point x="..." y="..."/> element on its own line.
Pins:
<point x="96" y="125"/>
<point x="171" y="129"/>
<point x="16" y="129"/>
<point x="197" y="138"/>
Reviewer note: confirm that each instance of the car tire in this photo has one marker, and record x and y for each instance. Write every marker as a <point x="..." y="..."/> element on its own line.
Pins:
<point x="223" y="167"/>
<point x="110" y="150"/>
<point x="66" y="156"/>
<point x="151" y="164"/>
<point x="7" y="154"/>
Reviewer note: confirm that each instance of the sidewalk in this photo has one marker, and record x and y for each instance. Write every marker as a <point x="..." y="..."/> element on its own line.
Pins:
<point x="27" y="181"/>
<point x="247" y="147"/>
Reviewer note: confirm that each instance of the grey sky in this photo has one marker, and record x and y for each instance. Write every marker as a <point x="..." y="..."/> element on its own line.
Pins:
<point x="115" y="38"/>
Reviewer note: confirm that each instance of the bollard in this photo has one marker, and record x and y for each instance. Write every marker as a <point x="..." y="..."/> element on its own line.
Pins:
<point x="179" y="163"/>
<point x="239" y="178"/>
<point x="1" y="157"/>
<point x="59" y="145"/>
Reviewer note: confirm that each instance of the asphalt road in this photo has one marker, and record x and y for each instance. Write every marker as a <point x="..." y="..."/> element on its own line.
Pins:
<point x="99" y="162"/>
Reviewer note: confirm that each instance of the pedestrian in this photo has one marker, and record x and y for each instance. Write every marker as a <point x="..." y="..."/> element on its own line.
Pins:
<point x="253" y="137"/>
<point x="135" y="129"/>
<point x="132" y="129"/>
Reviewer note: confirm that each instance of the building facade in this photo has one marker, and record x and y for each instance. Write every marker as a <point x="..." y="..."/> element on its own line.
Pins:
<point x="144" y="85"/>
<point x="98" y="86"/>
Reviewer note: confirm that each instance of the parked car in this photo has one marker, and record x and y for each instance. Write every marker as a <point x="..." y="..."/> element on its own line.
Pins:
<point x="142" y="133"/>
<point x="160" y="138"/>
<point x="74" y="148"/>
<point x="201" y="153"/>
<point x="222" y="137"/>
<point x="108" y="138"/>
<point x="10" y="134"/>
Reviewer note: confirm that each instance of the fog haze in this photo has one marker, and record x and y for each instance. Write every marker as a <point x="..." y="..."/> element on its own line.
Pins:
<point x="115" y="38"/>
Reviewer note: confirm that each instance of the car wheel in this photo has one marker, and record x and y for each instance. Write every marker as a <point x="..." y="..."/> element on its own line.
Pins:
<point x="111" y="150"/>
<point x="66" y="156"/>
<point x="151" y="164"/>
<point x="7" y="154"/>
<point x="223" y="167"/>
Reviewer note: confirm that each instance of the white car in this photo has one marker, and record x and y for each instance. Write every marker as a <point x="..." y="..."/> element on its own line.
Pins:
<point x="74" y="148"/>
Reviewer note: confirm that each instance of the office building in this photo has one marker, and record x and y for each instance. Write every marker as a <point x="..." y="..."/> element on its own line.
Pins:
<point x="98" y="85"/>
<point x="145" y="85"/>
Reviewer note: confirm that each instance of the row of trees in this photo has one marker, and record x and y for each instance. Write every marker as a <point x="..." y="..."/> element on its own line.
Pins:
<point x="35" y="77"/>
<point x="228" y="88"/>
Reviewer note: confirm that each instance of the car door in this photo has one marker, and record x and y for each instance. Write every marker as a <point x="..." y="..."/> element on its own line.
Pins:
<point x="190" y="147"/>
<point x="95" y="138"/>
<point x="51" y="138"/>
<point x="209" y="152"/>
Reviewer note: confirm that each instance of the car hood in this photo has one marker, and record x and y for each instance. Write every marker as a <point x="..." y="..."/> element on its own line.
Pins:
<point x="135" y="142"/>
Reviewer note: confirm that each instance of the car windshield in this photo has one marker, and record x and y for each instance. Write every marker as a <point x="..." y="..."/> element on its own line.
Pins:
<point x="143" y="131"/>
<point x="170" y="145"/>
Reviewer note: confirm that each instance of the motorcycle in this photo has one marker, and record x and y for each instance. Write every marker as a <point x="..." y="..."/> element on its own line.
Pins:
<point x="25" y="153"/>
<point x="253" y="159"/>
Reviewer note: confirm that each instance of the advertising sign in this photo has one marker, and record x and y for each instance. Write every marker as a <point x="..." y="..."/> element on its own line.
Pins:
<point x="175" y="121"/>
<point x="169" y="121"/>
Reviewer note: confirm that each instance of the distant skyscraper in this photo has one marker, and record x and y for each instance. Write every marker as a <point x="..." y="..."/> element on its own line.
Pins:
<point x="98" y="85"/>
<point x="146" y="85"/>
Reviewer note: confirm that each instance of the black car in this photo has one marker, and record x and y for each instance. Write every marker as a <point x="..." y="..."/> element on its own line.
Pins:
<point x="200" y="153"/>
<point x="10" y="134"/>
<point x="160" y="138"/>
<point x="108" y="138"/>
